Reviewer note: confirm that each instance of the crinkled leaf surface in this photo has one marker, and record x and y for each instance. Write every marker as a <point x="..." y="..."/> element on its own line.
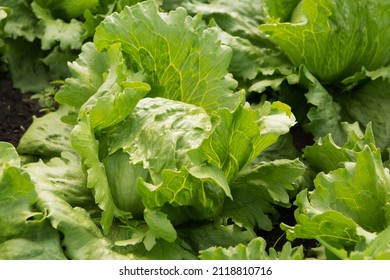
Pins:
<point x="17" y="196"/>
<point x="370" y="102"/>
<point x="334" y="39"/>
<point x="25" y="231"/>
<point x="328" y="226"/>
<point x="347" y="204"/>
<point x="241" y="136"/>
<point x="197" y="193"/>
<point x="69" y="35"/>
<point x="238" y="18"/>
<point x="87" y="76"/>
<point x="359" y="191"/>
<point x="159" y="133"/>
<point x="21" y="22"/>
<point x="47" y="135"/>
<point x="254" y="250"/>
<point x="255" y="192"/>
<point x="176" y="52"/>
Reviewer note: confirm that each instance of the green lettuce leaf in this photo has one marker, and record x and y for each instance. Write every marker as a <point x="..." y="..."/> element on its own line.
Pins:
<point x="258" y="189"/>
<point x="331" y="40"/>
<point x="203" y="236"/>
<point x="280" y="10"/>
<point x="238" y="18"/>
<point x="241" y="136"/>
<point x="87" y="75"/>
<point x="368" y="101"/>
<point x="194" y="194"/>
<point x="350" y="202"/>
<point x="254" y="250"/>
<point x="25" y="230"/>
<point x="159" y="133"/>
<point x="183" y="66"/>
<point x="69" y="35"/>
<point x="68" y="9"/>
<point x="324" y="117"/>
<point x="47" y="135"/>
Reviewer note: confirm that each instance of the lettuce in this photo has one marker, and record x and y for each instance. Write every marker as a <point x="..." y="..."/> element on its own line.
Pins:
<point x="350" y="203"/>
<point x="330" y="41"/>
<point x="153" y="125"/>
<point x="26" y="232"/>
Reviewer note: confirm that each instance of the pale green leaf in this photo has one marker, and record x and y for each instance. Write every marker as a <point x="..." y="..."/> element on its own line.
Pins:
<point x="254" y="250"/>
<point x="69" y="35"/>
<point x="160" y="225"/>
<point x="257" y="190"/>
<point x="242" y="135"/>
<point x="87" y="76"/>
<point x="159" y="133"/>
<point x="184" y="196"/>
<point x="177" y="53"/>
<point x="334" y="39"/>
<point x="47" y="135"/>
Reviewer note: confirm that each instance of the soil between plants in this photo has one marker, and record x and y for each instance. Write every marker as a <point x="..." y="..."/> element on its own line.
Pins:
<point x="16" y="111"/>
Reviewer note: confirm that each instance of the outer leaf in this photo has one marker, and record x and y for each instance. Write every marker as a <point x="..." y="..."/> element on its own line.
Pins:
<point x="70" y="8"/>
<point x="9" y="156"/>
<point x="22" y="223"/>
<point x="378" y="248"/>
<point x="187" y="194"/>
<point x="203" y="237"/>
<point x="159" y="225"/>
<point x="17" y="200"/>
<point x="47" y="135"/>
<point x="243" y="135"/>
<point x="254" y="250"/>
<point x="346" y="201"/>
<point x="355" y="192"/>
<point x="280" y="10"/>
<point x="238" y="18"/>
<point x="325" y="155"/>
<point x="117" y="96"/>
<point x="27" y="74"/>
<point x="370" y="102"/>
<point x="72" y="186"/>
<point x="159" y="133"/>
<point x="256" y="190"/>
<point x="325" y="115"/>
<point x="69" y="35"/>
<point x="21" y="22"/>
<point x="40" y="242"/>
<point x="251" y="61"/>
<point x="332" y="30"/>
<point x="87" y="76"/>
<point x="329" y="226"/>
<point x="177" y="54"/>
<point x="84" y="141"/>
<point x="82" y="238"/>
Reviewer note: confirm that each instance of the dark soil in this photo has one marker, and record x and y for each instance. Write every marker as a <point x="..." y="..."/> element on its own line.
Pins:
<point x="16" y="111"/>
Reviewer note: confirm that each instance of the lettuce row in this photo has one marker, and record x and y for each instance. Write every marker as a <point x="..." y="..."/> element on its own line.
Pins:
<point x="40" y="37"/>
